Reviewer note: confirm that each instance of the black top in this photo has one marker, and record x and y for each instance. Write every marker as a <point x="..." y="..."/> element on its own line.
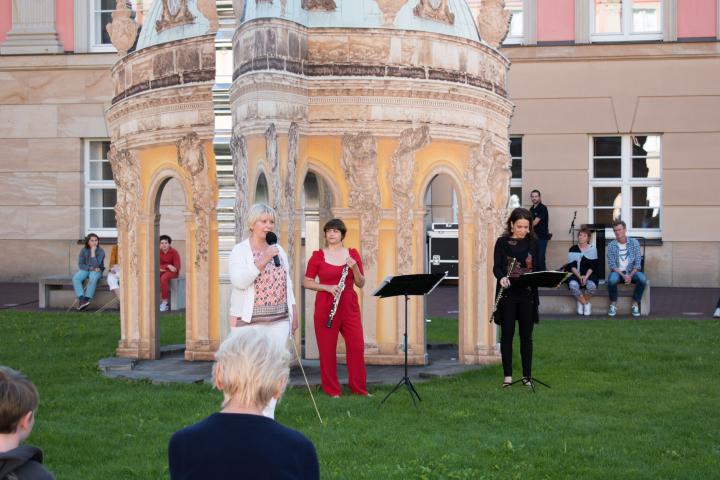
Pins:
<point x="585" y="265"/>
<point x="542" y="229"/>
<point x="25" y="462"/>
<point x="510" y="247"/>
<point x="241" y="446"/>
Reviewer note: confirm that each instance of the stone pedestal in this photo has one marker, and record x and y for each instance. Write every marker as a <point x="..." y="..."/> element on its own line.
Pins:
<point x="33" y="29"/>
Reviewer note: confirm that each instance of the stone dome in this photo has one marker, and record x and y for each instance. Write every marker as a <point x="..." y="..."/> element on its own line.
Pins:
<point x="177" y="30"/>
<point x="370" y="14"/>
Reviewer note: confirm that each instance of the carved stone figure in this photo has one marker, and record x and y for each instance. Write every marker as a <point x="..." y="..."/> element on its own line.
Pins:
<point x="271" y="152"/>
<point x="359" y="162"/>
<point x="390" y="8"/>
<point x="126" y="173"/>
<point x="493" y="22"/>
<point x="122" y="29"/>
<point x="293" y="152"/>
<point x="191" y="157"/>
<point x="401" y="178"/>
<point x="209" y="11"/>
<point x="238" y="149"/>
<point x="174" y="14"/>
<point x="319" y="5"/>
<point x="436" y="10"/>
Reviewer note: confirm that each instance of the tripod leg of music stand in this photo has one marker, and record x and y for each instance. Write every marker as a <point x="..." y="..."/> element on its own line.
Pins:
<point x="410" y="391"/>
<point x="393" y="390"/>
<point x="540" y="382"/>
<point x="411" y="387"/>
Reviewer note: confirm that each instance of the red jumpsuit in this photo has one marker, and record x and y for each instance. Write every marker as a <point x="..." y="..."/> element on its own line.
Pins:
<point x="346" y="321"/>
<point x="172" y="257"/>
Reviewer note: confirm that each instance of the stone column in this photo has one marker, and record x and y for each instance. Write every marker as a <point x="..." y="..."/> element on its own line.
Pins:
<point x="33" y="29"/>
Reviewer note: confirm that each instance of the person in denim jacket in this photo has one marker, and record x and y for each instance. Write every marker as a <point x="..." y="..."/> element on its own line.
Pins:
<point x="91" y="263"/>
<point x="624" y="261"/>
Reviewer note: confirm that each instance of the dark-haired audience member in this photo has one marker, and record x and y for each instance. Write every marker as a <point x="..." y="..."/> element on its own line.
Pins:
<point x="624" y="261"/>
<point x="18" y="405"/>
<point x="90" y="267"/>
<point x="541" y="228"/>
<point x="240" y="442"/>
<point x="169" y="269"/>
<point x="582" y="259"/>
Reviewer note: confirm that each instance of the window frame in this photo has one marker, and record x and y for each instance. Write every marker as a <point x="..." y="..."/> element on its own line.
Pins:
<point x="626" y="182"/>
<point x="93" y="26"/>
<point x="89" y="185"/>
<point x="516" y="182"/>
<point x="518" y="39"/>
<point x="626" y="21"/>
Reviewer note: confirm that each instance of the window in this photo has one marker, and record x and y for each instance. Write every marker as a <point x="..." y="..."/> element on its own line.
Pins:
<point x="626" y="20"/>
<point x="100" y="190"/>
<point x="516" y="179"/>
<point x="516" y="32"/>
<point x="100" y="15"/>
<point x="626" y="182"/>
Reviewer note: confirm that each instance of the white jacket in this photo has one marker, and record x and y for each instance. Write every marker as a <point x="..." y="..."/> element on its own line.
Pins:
<point x="243" y="273"/>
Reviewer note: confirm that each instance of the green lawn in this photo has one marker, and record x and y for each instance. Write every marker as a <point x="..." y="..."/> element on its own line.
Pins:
<point x="630" y="399"/>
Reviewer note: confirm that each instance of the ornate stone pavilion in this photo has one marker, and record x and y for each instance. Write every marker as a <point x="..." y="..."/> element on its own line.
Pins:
<point x="373" y="98"/>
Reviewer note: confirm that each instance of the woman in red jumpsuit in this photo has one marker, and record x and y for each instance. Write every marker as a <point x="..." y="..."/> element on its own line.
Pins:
<point x="326" y="266"/>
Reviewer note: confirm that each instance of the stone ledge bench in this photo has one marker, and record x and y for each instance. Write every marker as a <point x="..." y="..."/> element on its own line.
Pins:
<point x="177" y="293"/>
<point x="561" y="301"/>
<point x="56" y="291"/>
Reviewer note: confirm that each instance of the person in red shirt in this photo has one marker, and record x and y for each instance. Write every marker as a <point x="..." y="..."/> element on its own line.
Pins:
<point x="169" y="268"/>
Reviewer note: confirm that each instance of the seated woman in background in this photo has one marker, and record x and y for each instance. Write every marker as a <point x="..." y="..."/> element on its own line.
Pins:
<point x="251" y="368"/>
<point x="582" y="260"/>
<point x="113" y="277"/>
<point x="90" y="266"/>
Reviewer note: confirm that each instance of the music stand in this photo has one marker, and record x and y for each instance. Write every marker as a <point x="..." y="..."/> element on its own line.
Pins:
<point x="418" y="284"/>
<point x="547" y="279"/>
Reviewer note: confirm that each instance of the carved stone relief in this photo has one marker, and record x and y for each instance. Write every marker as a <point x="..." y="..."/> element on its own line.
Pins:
<point x="359" y="162"/>
<point x="293" y="152"/>
<point x="271" y="152"/>
<point x="488" y="175"/>
<point x="319" y="5"/>
<point x="209" y="11"/>
<point x="493" y="22"/>
<point x="238" y="149"/>
<point x="122" y="29"/>
<point x="390" y="8"/>
<point x="401" y="178"/>
<point x="191" y="157"/>
<point x="126" y="172"/>
<point x="174" y="14"/>
<point x="436" y="10"/>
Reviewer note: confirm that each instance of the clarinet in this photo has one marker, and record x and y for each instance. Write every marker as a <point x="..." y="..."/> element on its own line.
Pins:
<point x="336" y="300"/>
<point x="502" y="290"/>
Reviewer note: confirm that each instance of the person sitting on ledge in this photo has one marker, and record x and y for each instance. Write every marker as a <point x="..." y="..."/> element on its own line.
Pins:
<point x="91" y="265"/>
<point x="169" y="269"/>
<point x="239" y="441"/>
<point x="624" y="261"/>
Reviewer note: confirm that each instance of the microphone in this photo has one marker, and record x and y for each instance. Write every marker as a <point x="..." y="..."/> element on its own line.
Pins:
<point x="572" y="224"/>
<point x="271" y="239"/>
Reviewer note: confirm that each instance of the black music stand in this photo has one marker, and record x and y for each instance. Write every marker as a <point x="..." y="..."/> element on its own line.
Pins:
<point x="418" y="284"/>
<point x="548" y="279"/>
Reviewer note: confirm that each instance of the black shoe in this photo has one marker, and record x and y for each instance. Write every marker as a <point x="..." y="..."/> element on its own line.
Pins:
<point x="83" y="304"/>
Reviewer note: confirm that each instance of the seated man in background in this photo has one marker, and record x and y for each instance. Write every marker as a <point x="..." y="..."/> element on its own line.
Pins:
<point x="169" y="269"/>
<point x="624" y="261"/>
<point x="239" y="442"/>
<point x="18" y="403"/>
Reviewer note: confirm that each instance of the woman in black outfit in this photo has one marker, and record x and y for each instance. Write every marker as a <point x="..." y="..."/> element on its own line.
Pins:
<point x="517" y="303"/>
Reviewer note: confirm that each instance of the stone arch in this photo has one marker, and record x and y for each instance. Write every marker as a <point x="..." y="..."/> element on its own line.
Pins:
<point x="464" y="249"/>
<point x="261" y="173"/>
<point x="156" y="186"/>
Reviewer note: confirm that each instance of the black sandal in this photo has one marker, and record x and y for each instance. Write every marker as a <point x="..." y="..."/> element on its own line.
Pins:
<point x="506" y="384"/>
<point x="527" y="382"/>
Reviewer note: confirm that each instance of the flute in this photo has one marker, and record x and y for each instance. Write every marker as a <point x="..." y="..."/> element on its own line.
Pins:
<point x="336" y="300"/>
<point x="502" y="290"/>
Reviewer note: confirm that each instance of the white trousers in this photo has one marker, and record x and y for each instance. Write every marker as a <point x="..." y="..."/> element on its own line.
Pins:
<point x="279" y="332"/>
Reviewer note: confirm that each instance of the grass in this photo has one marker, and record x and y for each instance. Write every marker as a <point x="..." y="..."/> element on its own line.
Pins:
<point x="442" y="330"/>
<point x="630" y="399"/>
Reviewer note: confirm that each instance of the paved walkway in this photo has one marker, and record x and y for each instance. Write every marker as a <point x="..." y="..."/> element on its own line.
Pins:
<point x="695" y="303"/>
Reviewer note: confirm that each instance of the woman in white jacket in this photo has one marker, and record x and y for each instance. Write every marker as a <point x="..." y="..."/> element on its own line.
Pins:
<point x="262" y="290"/>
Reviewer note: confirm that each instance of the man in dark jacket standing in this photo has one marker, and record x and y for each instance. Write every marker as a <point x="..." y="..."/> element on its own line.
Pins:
<point x="18" y="404"/>
<point x="541" y="226"/>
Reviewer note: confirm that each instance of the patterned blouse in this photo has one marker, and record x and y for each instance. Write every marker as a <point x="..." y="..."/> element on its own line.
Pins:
<point x="270" y="293"/>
